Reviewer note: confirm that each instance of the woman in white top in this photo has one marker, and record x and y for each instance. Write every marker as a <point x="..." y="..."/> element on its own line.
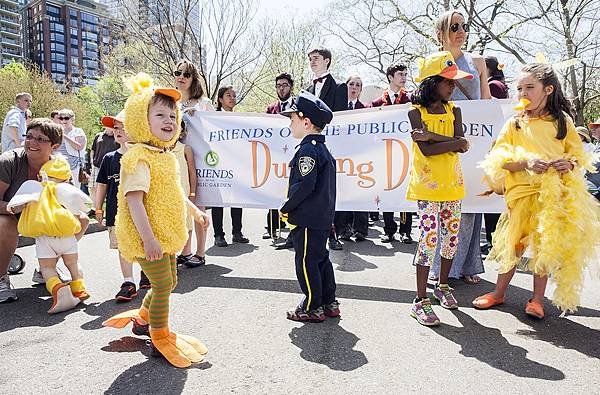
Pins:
<point x="73" y="143"/>
<point x="193" y="99"/>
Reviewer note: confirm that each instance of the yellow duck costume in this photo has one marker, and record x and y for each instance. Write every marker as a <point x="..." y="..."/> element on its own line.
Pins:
<point x="552" y="220"/>
<point x="50" y="217"/>
<point x="148" y="159"/>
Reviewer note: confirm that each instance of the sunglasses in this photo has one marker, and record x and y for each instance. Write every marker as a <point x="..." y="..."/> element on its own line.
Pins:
<point x="457" y="26"/>
<point x="178" y="73"/>
<point x="64" y="118"/>
<point x="39" y="139"/>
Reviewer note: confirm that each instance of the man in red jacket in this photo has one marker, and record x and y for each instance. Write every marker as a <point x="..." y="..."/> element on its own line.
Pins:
<point x="393" y="95"/>
<point x="284" y="85"/>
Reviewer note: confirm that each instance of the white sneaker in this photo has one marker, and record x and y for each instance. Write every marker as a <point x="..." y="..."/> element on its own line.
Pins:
<point x="62" y="299"/>
<point x="37" y="277"/>
<point x="6" y="291"/>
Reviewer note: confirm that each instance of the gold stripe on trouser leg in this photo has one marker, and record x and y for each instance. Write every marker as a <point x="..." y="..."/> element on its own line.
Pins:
<point x="304" y="269"/>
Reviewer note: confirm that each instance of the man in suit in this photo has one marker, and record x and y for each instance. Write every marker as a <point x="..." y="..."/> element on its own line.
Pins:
<point x="393" y="95"/>
<point x="324" y="86"/>
<point x="284" y="85"/>
<point x="335" y="95"/>
<point x="353" y="223"/>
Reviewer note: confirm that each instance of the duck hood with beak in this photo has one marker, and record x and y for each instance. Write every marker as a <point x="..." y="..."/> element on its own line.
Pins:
<point x="136" y="110"/>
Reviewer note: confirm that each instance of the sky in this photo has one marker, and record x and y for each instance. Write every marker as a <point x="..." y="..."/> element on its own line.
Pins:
<point x="302" y="7"/>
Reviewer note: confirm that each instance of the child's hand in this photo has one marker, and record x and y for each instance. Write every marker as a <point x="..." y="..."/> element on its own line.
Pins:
<point x="538" y="166"/>
<point x="419" y="135"/>
<point x="201" y="217"/>
<point x="562" y="165"/>
<point x="99" y="216"/>
<point x="464" y="147"/>
<point x="152" y="249"/>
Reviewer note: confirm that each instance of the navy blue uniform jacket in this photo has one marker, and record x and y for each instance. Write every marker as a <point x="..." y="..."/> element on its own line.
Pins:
<point x="311" y="190"/>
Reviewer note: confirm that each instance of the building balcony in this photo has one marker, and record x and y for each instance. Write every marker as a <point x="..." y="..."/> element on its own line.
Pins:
<point x="9" y="21"/>
<point x="10" y="42"/>
<point x="10" y="32"/>
<point x="5" y="9"/>
<point x="10" y="53"/>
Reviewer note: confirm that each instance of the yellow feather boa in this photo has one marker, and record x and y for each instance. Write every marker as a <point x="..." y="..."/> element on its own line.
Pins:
<point x="560" y="228"/>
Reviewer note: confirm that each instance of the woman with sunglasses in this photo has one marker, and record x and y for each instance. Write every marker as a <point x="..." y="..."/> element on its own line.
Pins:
<point x="452" y="30"/>
<point x="73" y="143"/>
<point x="193" y="99"/>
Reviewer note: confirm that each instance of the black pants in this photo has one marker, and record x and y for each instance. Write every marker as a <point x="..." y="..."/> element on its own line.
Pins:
<point x="217" y="220"/>
<point x="390" y="227"/>
<point x="313" y="267"/>
<point x="491" y="221"/>
<point x="349" y="221"/>
<point x="272" y="220"/>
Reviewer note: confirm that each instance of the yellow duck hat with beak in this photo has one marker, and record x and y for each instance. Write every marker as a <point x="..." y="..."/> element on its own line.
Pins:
<point x="136" y="110"/>
<point x="440" y="63"/>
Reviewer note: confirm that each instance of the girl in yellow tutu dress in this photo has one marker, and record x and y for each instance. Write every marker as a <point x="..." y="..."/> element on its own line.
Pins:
<point x="551" y="225"/>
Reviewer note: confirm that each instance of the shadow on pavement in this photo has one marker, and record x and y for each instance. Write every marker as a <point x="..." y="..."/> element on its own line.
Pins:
<point x="31" y="310"/>
<point x="560" y="332"/>
<point x="487" y="345"/>
<point x="233" y="249"/>
<point x="328" y="344"/>
<point x="214" y="276"/>
<point x="154" y="376"/>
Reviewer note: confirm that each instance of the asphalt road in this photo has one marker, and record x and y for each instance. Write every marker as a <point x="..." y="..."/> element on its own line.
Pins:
<point x="236" y="304"/>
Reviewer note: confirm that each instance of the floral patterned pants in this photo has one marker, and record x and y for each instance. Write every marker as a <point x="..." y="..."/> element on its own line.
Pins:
<point x="437" y="220"/>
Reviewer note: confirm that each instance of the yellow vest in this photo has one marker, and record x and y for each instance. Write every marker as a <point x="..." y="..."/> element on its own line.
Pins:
<point x="164" y="203"/>
<point x="438" y="177"/>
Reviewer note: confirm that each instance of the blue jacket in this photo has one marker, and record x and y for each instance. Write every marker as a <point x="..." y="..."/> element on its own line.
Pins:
<point x="311" y="190"/>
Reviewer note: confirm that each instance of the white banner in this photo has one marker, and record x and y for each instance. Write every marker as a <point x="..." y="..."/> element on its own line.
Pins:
<point x="242" y="158"/>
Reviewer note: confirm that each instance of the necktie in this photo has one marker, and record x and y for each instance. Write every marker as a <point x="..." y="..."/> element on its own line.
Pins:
<point x="283" y="106"/>
<point x="393" y="98"/>
<point x="350" y="106"/>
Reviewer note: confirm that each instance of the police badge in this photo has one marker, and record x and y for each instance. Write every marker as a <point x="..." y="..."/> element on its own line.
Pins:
<point x="306" y="164"/>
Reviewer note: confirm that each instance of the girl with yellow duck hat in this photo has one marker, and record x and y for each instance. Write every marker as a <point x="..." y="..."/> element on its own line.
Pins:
<point x="50" y="211"/>
<point x="150" y="224"/>
<point x="552" y="222"/>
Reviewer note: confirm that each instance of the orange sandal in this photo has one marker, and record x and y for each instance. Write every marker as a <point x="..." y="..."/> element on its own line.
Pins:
<point x="534" y="309"/>
<point x="487" y="301"/>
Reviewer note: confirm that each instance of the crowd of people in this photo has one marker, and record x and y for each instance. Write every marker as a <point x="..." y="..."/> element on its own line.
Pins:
<point x="538" y="158"/>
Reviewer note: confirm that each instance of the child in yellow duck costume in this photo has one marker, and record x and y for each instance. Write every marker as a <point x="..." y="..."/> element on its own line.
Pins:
<point x="50" y="211"/>
<point x="150" y="223"/>
<point x="552" y="222"/>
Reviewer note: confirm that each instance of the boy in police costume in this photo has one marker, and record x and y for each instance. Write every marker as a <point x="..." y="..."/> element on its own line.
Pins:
<point x="310" y="207"/>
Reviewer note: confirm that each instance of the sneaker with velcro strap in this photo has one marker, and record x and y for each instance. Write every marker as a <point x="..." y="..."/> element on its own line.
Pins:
<point x="127" y="292"/>
<point x="301" y="315"/>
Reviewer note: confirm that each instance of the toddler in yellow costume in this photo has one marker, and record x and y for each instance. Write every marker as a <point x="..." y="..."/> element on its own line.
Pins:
<point x="150" y="223"/>
<point x="50" y="216"/>
<point x="552" y="223"/>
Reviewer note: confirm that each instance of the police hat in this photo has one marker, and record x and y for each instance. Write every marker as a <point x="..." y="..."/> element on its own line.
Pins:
<point x="309" y="106"/>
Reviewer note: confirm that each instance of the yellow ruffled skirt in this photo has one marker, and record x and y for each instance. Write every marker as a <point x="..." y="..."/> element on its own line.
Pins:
<point x="557" y="229"/>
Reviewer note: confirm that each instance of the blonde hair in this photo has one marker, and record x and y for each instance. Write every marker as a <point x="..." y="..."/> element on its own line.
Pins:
<point x="66" y="111"/>
<point x="21" y="95"/>
<point x="442" y="26"/>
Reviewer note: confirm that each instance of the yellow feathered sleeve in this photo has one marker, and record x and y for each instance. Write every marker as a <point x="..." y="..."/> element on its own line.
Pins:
<point x="503" y="151"/>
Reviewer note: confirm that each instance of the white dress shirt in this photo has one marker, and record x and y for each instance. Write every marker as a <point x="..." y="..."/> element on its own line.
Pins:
<point x="319" y="85"/>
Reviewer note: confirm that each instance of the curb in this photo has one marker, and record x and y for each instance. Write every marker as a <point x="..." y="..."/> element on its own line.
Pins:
<point x="93" y="227"/>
